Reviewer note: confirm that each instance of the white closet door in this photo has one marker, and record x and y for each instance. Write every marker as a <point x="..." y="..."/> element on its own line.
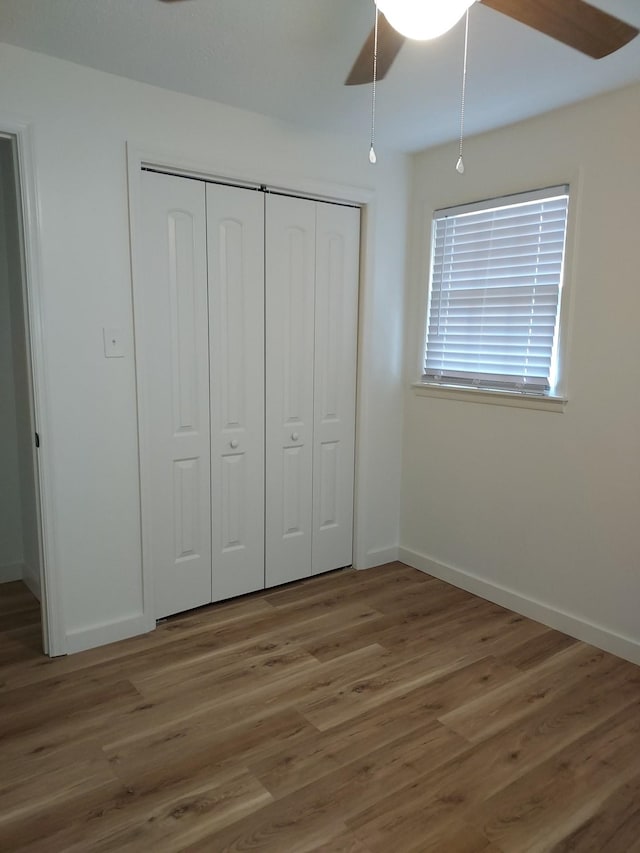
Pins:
<point x="290" y="307"/>
<point x="235" y="233"/>
<point x="336" y="324"/>
<point x="172" y="349"/>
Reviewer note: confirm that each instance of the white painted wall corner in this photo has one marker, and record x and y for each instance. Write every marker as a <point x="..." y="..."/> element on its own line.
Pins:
<point x="377" y="558"/>
<point x="11" y="572"/>
<point x="31" y="580"/>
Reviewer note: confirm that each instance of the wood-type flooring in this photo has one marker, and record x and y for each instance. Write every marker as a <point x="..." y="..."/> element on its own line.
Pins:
<point x="357" y="712"/>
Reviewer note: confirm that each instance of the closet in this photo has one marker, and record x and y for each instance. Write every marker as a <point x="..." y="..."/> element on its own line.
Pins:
<point x="246" y="333"/>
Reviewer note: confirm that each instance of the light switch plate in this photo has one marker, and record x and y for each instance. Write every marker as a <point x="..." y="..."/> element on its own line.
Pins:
<point x="113" y="342"/>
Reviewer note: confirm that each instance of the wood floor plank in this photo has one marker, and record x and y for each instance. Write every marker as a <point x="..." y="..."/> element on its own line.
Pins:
<point x="20" y="626"/>
<point x="481" y="717"/>
<point x="535" y="650"/>
<point x="41" y="749"/>
<point x="353" y="787"/>
<point x="36" y="829"/>
<point x="615" y="826"/>
<point x="365" y="712"/>
<point x="441" y="688"/>
<point x="390" y="576"/>
<point x="194" y="745"/>
<point x="132" y="719"/>
<point x="168" y="818"/>
<point x="20" y="645"/>
<point x="21" y="617"/>
<point x="17" y="597"/>
<point x="454" y="838"/>
<point x="321" y="752"/>
<point x="147" y="669"/>
<point x="22" y="712"/>
<point x="426" y="809"/>
<point x="536" y="811"/>
<point x="225" y="670"/>
<point x="282" y="643"/>
<point x="261" y="698"/>
<point x="469" y="631"/>
<point x="20" y="798"/>
<point x="283" y="834"/>
<point x="345" y="842"/>
<point x="417" y="601"/>
<point x="334" y="644"/>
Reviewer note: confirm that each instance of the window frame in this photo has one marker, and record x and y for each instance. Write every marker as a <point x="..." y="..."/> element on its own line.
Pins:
<point x="556" y="397"/>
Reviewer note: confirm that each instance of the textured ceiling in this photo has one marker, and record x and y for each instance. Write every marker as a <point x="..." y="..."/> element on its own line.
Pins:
<point x="288" y="59"/>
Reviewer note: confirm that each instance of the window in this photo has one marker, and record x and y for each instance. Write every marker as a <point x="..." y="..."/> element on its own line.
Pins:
<point x="494" y="296"/>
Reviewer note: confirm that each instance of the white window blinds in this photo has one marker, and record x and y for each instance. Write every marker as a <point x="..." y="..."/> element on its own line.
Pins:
<point x="496" y="275"/>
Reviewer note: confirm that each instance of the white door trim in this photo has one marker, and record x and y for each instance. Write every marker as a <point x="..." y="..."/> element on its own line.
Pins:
<point x="54" y="635"/>
<point x="248" y="175"/>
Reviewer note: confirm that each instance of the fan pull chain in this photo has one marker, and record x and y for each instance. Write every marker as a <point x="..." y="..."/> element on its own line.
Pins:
<point x="372" y="150"/>
<point x="460" y="163"/>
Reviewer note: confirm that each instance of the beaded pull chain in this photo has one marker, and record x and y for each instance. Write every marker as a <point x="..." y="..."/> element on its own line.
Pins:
<point x="372" y="150"/>
<point x="460" y="163"/>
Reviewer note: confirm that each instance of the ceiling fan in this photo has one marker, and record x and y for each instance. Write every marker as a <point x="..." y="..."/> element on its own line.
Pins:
<point x="573" y="22"/>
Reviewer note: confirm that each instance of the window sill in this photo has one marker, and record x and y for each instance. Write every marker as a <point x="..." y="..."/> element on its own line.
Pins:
<point x="491" y="398"/>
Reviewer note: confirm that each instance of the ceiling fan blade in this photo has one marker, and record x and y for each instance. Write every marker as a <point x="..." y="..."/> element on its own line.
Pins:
<point x="573" y="22"/>
<point x="389" y="43"/>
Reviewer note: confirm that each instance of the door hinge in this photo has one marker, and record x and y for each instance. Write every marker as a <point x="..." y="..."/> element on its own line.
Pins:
<point x="37" y="440"/>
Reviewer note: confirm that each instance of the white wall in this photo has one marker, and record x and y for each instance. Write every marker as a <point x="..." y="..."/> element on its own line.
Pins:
<point x="81" y="120"/>
<point x="535" y="509"/>
<point x="11" y="550"/>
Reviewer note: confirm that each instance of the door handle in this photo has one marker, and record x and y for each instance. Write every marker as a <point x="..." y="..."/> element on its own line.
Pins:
<point x="294" y="436"/>
<point x="233" y="443"/>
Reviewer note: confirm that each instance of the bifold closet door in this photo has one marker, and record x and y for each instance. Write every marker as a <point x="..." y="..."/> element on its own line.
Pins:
<point x="312" y="252"/>
<point x="172" y="348"/>
<point x="235" y="236"/>
<point x="335" y="362"/>
<point x="289" y="354"/>
<point x="246" y="330"/>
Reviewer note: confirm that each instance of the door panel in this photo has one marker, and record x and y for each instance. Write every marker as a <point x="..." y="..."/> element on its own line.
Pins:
<point x="336" y="325"/>
<point x="235" y="233"/>
<point x="172" y="349"/>
<point x="290" y="307"/>
<point x="186" y="489"/>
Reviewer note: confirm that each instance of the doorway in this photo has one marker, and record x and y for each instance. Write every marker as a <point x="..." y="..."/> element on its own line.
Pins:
<point x="21" y="616"/>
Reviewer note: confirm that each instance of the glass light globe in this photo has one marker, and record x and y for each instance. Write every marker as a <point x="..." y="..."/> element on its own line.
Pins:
<point x="423" y="19"/>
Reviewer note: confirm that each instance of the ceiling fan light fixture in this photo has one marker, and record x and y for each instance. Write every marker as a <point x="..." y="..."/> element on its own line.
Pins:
<point x="423" y="19"/>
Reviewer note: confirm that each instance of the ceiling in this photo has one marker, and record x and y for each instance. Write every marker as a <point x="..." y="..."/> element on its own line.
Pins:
<point x="288" y="59"/>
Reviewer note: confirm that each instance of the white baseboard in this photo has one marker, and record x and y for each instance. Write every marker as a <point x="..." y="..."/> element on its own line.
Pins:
<point x="581" y="629"/>
<point x="11" y="572"/>
<point x="109" y="632"/>
<point x="379" y="558"/>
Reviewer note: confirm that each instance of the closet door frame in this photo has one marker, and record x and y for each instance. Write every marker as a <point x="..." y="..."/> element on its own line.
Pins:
<point x="175" y="163"/>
